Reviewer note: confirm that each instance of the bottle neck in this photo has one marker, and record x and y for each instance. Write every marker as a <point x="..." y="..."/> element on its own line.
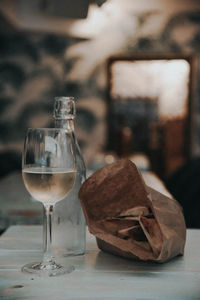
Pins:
<point x="65" y="123"/>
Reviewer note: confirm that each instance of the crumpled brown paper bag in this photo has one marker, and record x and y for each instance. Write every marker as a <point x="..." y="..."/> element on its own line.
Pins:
<point x="129" y="218"/>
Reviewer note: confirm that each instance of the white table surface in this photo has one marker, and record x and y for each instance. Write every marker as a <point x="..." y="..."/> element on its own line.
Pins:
<point x="97" y="275"/>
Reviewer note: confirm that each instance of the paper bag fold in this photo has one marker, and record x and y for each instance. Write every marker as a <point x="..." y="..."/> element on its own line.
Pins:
<point x="129" y="218"/>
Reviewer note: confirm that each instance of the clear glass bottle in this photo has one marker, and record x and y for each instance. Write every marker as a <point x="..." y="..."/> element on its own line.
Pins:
<point x="69" y="221"/>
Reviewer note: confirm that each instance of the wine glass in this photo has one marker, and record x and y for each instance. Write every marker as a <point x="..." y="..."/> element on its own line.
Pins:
<point x="48" y="171"/>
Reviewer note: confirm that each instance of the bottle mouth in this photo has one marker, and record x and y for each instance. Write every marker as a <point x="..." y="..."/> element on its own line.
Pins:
<point x="64" y="98"/>
<point x="64" y="108"/>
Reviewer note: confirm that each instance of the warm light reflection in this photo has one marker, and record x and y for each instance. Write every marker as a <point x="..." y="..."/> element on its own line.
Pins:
<point x="92" y="25"/>
<point x="165" y="81"/>
<point x="98" y="18"/>
<point x="107" y="33"/>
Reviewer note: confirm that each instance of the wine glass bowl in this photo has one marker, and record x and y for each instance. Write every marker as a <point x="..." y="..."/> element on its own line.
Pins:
<point x="48" y="171"/>
<point x="48" y="185"/>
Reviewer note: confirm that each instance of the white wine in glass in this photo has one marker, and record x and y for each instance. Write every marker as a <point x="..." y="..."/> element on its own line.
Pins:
<point x="48" y="185"/>
<point x="49" y="172"/>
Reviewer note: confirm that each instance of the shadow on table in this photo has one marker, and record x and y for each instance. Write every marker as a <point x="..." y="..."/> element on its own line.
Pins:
<point x="112" y="263"/>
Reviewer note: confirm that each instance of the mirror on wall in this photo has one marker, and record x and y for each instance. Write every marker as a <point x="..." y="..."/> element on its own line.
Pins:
<point x="149" y="109"/>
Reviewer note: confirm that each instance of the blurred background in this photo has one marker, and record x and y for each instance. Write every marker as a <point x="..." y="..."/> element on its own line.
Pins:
<point x="133" y="68"/>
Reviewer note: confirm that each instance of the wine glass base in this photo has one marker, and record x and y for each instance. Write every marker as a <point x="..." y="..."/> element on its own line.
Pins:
<point x="46" y="270"/>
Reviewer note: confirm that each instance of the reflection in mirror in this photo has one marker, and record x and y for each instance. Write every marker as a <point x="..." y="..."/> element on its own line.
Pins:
<point x="149" y="110"/>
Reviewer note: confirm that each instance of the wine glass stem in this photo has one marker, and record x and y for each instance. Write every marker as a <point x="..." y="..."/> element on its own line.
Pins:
<point x="48" y="256"/>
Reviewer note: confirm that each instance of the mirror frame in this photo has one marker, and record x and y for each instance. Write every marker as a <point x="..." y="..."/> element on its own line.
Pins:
<point x="190" y="99"/>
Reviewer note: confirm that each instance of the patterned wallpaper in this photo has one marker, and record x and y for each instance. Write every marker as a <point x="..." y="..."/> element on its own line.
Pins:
<point x="34" y="68"/>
